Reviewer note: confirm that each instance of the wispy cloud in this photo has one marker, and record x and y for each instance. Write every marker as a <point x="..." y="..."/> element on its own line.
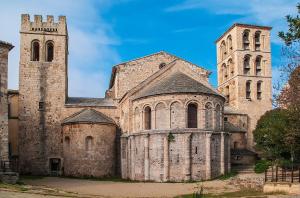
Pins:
<point x="91" y="45"/>
<point x="184" y="30"/>
<point x="267" y="12"/>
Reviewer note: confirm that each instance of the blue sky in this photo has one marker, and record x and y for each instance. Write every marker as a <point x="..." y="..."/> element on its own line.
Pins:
<point x="106" y="32"/>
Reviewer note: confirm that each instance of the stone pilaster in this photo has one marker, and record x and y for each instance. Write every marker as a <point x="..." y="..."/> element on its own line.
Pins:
<point x="146" y="159"/>
<point x="229" y="153"/>
<point x="222" y="165"/>
<point x="208" y="156"/>
<point x="187" y="161"/>
<point x="132" y="152"/>
<point x="166" y="158"/>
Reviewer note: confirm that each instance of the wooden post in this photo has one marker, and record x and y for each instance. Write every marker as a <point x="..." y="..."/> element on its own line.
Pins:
<point x="266" y="175"/>
<point x="276" y="176"/>
<point x="292" y="174"/>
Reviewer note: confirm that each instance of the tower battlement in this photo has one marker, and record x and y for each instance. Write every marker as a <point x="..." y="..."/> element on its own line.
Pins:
<point x="39" y="26"/>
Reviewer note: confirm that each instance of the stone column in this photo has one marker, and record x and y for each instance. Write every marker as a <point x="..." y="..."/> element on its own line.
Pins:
<point x="187" y="161"/>
<point x="146" y="160"/>
<point x="208" y="156"/>
<point x="166" y="158"/>
<point x="222" y="165"/>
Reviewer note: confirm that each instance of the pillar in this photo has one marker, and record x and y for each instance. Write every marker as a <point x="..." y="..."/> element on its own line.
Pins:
<point x="166" y="158"/>
<point x="132" y="158"/>
<point x="146" y="159"/>
<point x="222" y="165"/>
<point x="228" y="153"/>
<point x="208" y="155"/>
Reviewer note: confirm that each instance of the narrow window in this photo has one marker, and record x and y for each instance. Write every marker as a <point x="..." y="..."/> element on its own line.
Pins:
<point x="229" y="43"/>
<point x="218" y="117"/>
<point x="192" y="115"/>
<point x="223" y="50"/>
<point x="259" y="92"/>
<point x="49" y="51"/>
<point x="208" y="116"/>
<point x="35" y="51"/>
<point x="147" y="117"/>
<point x="258" y="65"/>
<point x="257" y="40"/>
<point x="227" y="94"/>
<point x="248" y="90"/>
<point x="41" y="106"/>
<point x="9" y="111"/>
<point x="231" y="67"/>
<point x="196" y="150"/>
<point x="247" y="65"/>
<point x="225" y="74"/>
<point x="88" y="143"/>
<point x="246" y="43"/>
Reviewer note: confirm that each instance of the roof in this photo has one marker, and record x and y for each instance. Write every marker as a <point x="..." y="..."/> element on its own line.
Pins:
<point x="11" y="91"/>
<point x="229" y="127"/>
<point x="6" y="44"/>
<point x="88" y="116"/>
<point x="245" y="26"/>
<point x="114" y="69"/>
<point x="231" y="110"/>
<point x="176" y="83"/>
<point x="242" y="152"/>
<point x="90" y="102"/>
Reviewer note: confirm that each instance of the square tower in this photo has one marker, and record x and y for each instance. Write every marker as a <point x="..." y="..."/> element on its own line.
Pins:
<point x="42" y="91"/>
<point x="244" y="71"/>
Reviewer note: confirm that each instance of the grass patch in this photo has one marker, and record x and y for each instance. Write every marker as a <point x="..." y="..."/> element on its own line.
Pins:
<point x="15" y="187"/>
<point x="240" y="193"/>
<point x="227" y="175"/>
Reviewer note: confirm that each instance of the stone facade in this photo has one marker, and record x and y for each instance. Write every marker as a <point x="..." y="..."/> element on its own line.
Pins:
<point x="161" y="120"/>
<point x="4" y="50"/>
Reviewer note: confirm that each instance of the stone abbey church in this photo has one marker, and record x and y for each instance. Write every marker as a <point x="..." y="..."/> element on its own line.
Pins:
<point x="160" y="119"/>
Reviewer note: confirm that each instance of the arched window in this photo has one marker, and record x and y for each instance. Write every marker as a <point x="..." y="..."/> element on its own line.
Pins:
<point x="227" y="94"/>
<point x="229" y="43"/>
<point x="89" y="143"/>
<point x="259" y="90"/>
<point x="49" y="51"/>
<point x="231" y="67"/>
<point x="208" y="116"/>
<point x="35" y="51"/>
<point x="258" y="65"/>
<point x="192" y="115"/>
<point x="223" y="50"/>
<point x="147" y="118"/>
<point x="218" y="117"/>
<point x="247" y="65"/>
<point x="248" y="89"/>
<point x="257" y="40"/>
<point x="225" y="70"/>
<point x="246" y="43"/>
<point x="67" y="142"/>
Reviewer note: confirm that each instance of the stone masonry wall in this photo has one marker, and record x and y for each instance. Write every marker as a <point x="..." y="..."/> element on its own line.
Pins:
<point x="97" y="161"/>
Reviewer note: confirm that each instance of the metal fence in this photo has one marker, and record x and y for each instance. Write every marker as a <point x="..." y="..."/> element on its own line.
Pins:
<point x="282" y="174"/>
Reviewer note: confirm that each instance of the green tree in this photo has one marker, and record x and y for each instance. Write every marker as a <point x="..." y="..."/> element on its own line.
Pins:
<point x="270" y="134"/>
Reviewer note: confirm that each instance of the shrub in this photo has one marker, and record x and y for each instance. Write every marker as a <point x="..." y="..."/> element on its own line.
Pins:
<point x="261" y="166"/>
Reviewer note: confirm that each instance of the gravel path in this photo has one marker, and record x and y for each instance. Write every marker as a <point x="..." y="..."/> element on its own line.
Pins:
<point x="123" y="189"/>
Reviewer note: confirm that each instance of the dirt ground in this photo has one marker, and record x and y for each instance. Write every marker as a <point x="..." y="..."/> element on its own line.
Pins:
<point x="128" y="189"/>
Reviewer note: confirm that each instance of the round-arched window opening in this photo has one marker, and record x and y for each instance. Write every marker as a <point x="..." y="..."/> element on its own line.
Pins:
<point x="161" y="65"/>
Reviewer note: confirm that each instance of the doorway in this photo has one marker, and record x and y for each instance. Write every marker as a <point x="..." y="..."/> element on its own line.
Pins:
<point x="54" y="166"/>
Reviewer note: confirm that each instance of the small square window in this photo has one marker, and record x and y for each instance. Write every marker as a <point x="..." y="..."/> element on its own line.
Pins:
<point x="225" y="119"/>
<point x="41" y="106"/>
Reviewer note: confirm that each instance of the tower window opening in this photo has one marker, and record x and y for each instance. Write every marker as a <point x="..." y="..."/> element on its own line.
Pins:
<point x="192" y="115"/>
<point x="49" y="51"/>
<point x="248" y="90"/>
<point x="35" y="51"/>
<point x="258" y="65"/>
<point x="246" y="43"/>
<point x="247" y="65"/>
<point x="147" y="121"/>
<point x="257" y="40"/>
<point x="259" y="91"/>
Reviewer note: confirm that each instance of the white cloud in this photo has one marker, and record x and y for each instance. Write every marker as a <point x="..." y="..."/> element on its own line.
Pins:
<point x="91" y="40"/>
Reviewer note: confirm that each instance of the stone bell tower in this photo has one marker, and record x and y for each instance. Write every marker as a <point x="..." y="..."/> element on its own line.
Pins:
<point x="43" y="91"/>
<point x="244" y="71"/>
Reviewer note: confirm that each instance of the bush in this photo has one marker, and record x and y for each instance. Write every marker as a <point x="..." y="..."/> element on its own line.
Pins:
<point x="261" y="166"/>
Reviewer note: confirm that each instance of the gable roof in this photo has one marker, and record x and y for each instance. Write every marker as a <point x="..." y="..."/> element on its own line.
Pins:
<point x="88" y="116"/>
<point x="90" y="102"/>
<point x="176" y="83"/>
<point x="115" y="68"/>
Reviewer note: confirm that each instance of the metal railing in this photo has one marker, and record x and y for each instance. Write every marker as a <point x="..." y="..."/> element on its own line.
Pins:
<point x="282" y="174"/>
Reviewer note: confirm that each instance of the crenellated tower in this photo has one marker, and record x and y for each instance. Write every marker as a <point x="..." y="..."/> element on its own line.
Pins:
<point x="43" y="91"/>
<point x="244" y="71"/>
